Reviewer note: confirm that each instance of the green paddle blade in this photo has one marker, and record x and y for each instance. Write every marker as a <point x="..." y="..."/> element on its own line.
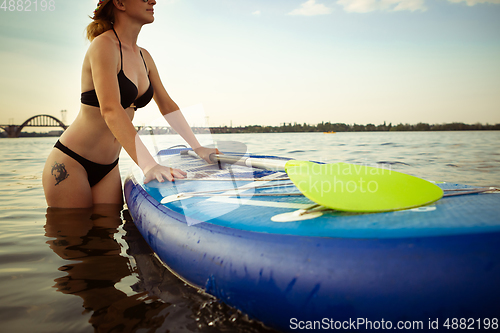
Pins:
<point x="358" y="188"/>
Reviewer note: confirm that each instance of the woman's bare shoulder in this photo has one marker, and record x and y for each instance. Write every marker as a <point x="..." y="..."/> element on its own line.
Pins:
<point x="148" y="58"/>
<point x="104" y="43"/>
<point x="146" y="54"/>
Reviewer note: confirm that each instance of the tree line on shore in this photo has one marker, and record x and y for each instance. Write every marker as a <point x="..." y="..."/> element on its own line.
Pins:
<point x="341" y="127"/>
<point x="3" y="134"/>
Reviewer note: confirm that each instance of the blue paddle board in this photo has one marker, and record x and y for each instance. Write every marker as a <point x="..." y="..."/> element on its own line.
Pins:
<point x="248" y="237"/>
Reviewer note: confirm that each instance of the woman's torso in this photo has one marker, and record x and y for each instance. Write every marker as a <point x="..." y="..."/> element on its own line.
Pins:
<point x="89" y="134"/>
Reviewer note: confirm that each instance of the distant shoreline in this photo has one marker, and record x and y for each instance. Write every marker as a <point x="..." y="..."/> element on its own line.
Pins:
<point x="330" y="128"/>
<point x="324" y="127"/>
<point x="340" y="127"/>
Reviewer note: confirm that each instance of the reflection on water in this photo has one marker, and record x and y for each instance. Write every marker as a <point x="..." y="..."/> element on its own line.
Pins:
<point x="85" y="238"/>
<point x="157" y="302"/>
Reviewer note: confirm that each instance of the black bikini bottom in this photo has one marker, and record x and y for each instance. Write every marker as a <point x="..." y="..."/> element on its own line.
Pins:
<point x="95" y="171"/>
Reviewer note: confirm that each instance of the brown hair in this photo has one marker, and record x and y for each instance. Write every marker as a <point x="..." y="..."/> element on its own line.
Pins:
<point x="103" y="19"/>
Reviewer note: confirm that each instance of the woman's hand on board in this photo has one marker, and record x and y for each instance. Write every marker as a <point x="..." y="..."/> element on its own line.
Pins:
<point x="204" y="153"/>
<point x="160" y="173"/>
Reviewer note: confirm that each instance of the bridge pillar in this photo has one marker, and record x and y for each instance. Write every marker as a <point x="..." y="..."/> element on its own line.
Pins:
<point x="12" y="131"/>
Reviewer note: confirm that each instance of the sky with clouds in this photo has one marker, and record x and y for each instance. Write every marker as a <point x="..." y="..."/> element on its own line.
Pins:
<point x="266" y="62"/>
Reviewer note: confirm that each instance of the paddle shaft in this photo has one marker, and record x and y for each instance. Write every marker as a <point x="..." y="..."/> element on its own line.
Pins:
<point x="273" y="165"/>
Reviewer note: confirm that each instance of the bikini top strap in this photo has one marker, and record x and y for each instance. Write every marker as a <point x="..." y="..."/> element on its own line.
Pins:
<point x="119" y="42"/>
<point x="144" y="61"/>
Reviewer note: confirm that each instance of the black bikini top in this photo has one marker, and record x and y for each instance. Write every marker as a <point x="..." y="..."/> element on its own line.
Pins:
<point x="128" y="90"/>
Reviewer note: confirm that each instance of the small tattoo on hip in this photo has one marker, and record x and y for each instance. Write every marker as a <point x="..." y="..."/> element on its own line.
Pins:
<point x="59" y="172"/>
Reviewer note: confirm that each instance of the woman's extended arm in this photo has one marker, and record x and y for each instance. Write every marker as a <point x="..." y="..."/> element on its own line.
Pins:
<point x="171" y="112"/>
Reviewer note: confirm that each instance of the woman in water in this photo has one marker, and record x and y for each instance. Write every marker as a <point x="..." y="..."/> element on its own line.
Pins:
<point x="118" y="77"/>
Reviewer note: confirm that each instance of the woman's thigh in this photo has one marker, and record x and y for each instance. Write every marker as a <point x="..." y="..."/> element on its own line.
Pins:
<point x="109" y="189"/>
<point x="65" y="182"/>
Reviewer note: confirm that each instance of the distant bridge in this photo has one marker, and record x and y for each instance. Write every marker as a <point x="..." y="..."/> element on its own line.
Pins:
<point x="41" y="120"/>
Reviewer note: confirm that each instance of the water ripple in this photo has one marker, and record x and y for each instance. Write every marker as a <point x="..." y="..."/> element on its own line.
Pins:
<point x="393" y="163"/>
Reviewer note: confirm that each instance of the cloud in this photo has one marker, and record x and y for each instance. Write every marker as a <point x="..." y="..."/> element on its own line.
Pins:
<point x="365" y="6"/>
<point x="257" y="12"/>
<point x="475" y="2"/>
<point x="311" y="8"/>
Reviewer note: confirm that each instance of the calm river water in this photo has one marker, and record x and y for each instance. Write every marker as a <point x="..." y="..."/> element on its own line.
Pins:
<point x="90" y="270"/>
